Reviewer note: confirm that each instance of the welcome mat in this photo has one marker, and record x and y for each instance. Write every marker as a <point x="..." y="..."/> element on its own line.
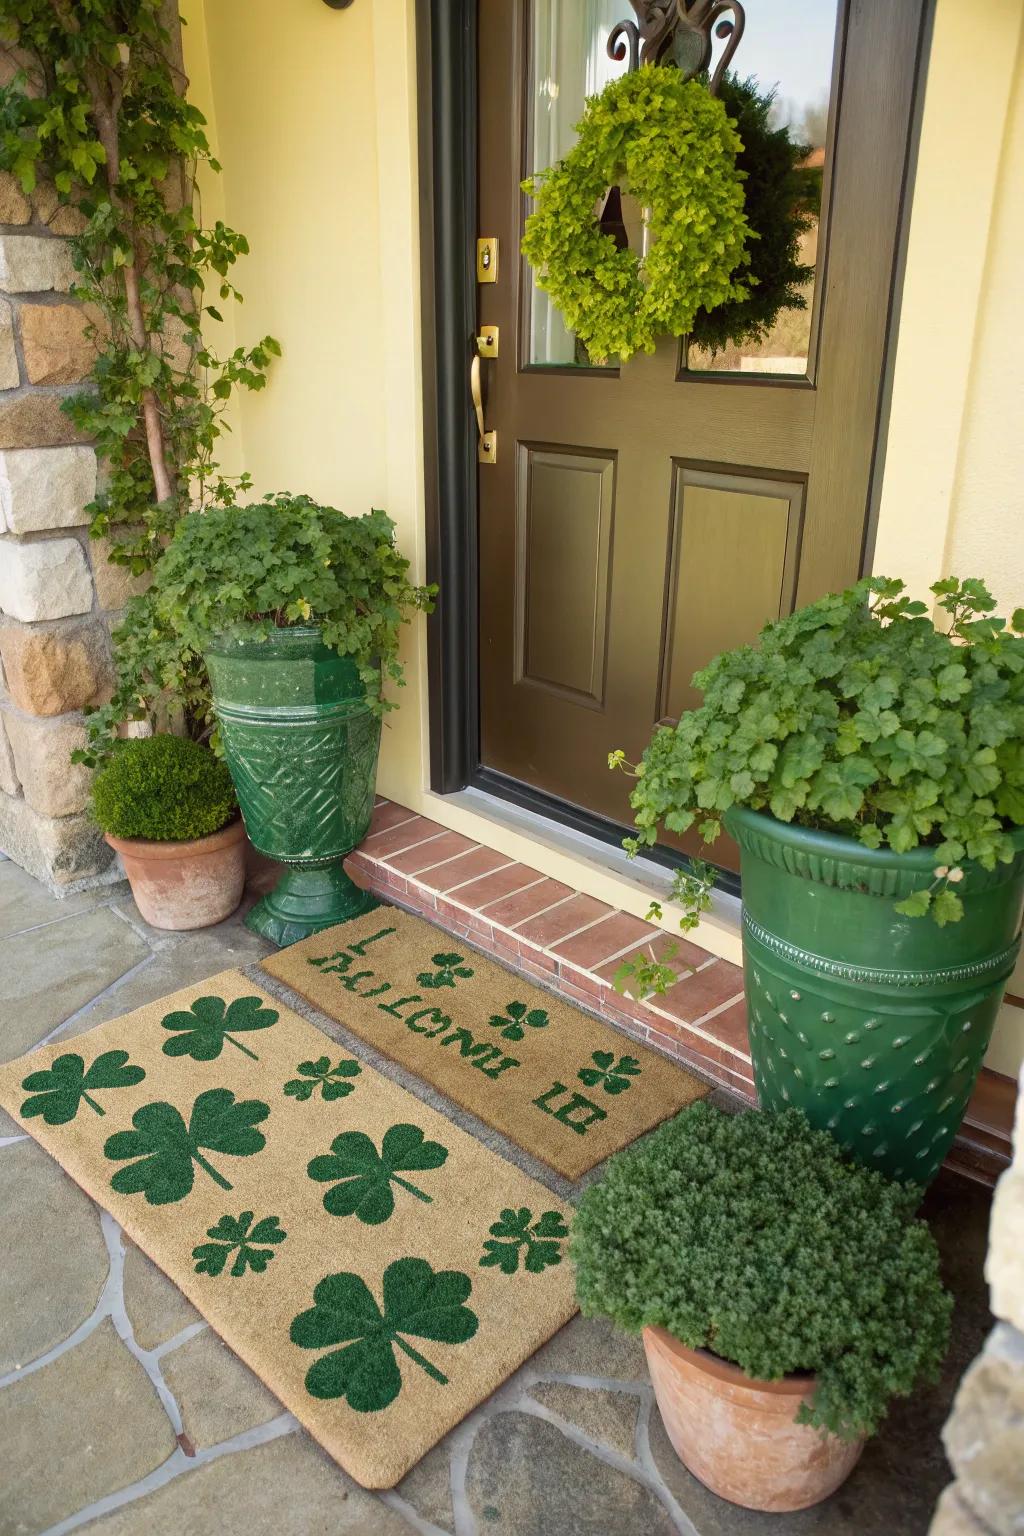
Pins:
<point x="379" y="1269"/>
<point x="555" y="1081"/>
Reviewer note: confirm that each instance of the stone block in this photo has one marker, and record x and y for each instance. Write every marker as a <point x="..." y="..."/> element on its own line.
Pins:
<point x="55" y="343"/>
<point x="48" y="579"/>
<point x="115" y="584"/>
<point x="35" y="264"/>
<point x="1004" y="1266"/>
<point x="14" y="205"/>
<point x="43" y="488"/>
<point x="953" y="1518"/>
<point x="52" y="671"/>
<point x="9" y="782"/>
<point x="984" y="1435"/>
<point x="9" y="375"/>
<point x="60" y="853"/>
<point x="52" y="784"/>
<point x="61" y="218"/>
<point x="36" y="421"/>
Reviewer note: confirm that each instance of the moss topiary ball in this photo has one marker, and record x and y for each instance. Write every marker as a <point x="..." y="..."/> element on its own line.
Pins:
<point x="163" y="788"/>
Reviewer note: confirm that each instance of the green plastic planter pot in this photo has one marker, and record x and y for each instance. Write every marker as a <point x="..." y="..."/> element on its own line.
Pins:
<point x="301" y="742"/>
<point x="873" y="1023"/>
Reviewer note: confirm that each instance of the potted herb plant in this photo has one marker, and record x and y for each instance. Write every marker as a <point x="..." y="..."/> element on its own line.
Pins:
<point x="296" y="610"/>
<point x="167" y="806"/>
<point x="871" y="767"/>
<point x="784" y="1296"/>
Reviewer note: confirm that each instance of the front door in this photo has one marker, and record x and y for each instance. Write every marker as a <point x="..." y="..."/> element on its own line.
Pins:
<point x="638" y="520"/>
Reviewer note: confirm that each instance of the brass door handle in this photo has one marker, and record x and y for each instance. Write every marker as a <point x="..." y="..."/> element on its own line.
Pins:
<point x="487" y="446"/>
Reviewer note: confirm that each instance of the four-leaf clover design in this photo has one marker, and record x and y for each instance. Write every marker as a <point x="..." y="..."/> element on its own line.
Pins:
<point x="233" y="1232"/>
<point x="418" y="1300"/>
<point x="166" y="1147"/>
<point x="210" y="1021"/>
<point x="614" y="1076"/>
<point x="366" y="1175"/>
<point x="512" y="1021"/>
<point x="513" y="1233"/>
<point x="59" y="1089"/>
<point x="449" y="966"/>
<point x="320" y="1074"/>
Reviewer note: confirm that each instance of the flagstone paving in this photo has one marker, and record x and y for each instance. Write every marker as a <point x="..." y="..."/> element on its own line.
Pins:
<point x="122" y="1413"/>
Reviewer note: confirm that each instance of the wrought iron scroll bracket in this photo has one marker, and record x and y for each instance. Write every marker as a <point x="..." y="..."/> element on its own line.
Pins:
<point x="679" y="32"/>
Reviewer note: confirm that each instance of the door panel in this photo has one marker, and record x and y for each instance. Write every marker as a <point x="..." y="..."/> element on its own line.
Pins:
<point x="640" y="519"/>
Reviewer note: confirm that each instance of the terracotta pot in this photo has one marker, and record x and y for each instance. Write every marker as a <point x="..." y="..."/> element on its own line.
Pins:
<point x="186" y="885"/>
<point x="738" y="1435"/>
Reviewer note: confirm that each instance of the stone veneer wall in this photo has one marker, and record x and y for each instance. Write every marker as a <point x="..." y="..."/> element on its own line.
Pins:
<point x="58" y="592"/>
<point x="984" y="1435"/>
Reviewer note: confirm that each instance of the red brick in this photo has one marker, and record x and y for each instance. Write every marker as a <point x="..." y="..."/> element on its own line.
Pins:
<point x="694" y="996"/>
<point x="729" y="1028"/>
<point x="388" y="814"/>
<point x="464" y="869"/>
<point x="516" y="908"/>
<point x="589" y="985"/>
<point x="494" y="887"/>
<point x="382" y="845"/>
<point x="666" y="948"/>
<point x="435" y="850"/>
<point x="562" y="920"/>
<point x="588" y="950"/>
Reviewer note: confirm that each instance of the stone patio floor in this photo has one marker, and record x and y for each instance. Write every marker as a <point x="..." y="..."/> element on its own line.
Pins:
<point x="122" y="1414"/>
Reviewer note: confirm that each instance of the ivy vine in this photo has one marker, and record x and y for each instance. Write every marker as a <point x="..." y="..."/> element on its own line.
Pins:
<point x="674" y="145"/>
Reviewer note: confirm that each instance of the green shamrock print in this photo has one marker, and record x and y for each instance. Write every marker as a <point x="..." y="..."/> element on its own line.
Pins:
<point x="209" y="1022"/>
<point x="59" y="1090"/>
<point x="512" y="1238"/>
<point x="233" y="1232"/>
<point x="166" y="1147"/>
<point x="511" y="1022"/>
<point x="449" y="966"/>
<point x="320" y="1074"/>
<point x="367" y="1175"/>
<point x="614" y="1076"/>
<point x="418" y="1300"/>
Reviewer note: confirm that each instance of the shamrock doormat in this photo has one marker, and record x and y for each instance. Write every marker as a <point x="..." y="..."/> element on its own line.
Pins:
<point x="555" y="1081"/>
<point x="378" y="1268"/>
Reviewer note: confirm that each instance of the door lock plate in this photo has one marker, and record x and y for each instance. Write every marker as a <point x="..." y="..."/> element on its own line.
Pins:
<point x="487" y="259"/>
<point x="487" y="448"/>
<point x="487" y="341"/>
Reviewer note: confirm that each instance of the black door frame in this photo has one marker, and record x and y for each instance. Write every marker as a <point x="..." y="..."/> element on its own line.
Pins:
<point x="447" y="106"/>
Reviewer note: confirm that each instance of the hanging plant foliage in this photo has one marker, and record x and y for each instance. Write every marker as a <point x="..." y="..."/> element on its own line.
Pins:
<point x="782" y="200"/>
<point x="673" y="144"/>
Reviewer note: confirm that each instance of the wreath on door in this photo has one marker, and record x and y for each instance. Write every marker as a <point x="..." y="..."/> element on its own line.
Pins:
<point x="675" y="146"/>
<point x="728" y="200"/>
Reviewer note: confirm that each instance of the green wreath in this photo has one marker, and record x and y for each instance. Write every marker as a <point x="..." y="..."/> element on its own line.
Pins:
<point x="675" y="146"/>
<point x="782" y="199"/>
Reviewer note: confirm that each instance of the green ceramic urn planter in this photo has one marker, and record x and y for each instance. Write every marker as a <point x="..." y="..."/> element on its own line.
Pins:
<point x="301" y="742"/>
<point x="873" y="1023"/>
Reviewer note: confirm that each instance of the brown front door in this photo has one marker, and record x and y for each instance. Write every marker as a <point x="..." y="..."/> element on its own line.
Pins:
<point x="640" y="519"/>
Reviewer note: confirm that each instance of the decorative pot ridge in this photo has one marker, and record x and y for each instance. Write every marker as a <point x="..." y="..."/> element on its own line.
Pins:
<point x="738" y="1435"/>
<point x="301" y="742"/>
<point x="875" y="1024"/>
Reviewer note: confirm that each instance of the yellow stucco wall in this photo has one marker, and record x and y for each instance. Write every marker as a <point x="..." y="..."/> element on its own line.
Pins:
<point x="313" y="113"/>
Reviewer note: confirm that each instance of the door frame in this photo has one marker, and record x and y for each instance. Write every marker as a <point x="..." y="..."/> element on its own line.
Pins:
<point x="446" y="32"/>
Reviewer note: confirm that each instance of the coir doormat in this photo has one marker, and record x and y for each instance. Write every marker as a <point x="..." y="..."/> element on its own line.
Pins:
<point x="379" y="1269"/>
<point x="555" y="1081"/>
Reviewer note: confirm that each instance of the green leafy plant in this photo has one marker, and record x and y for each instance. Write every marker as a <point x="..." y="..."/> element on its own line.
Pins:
<point x="365" y="1176"/>
<point x="202" y="1031"/>
<point x="450" y="967"/>
<point x="517" y="1018"/>
<point x="418" y="1300"/>
<point x="749" y="1236"/>
<point x="673" y="144"/>
<point x="95" y="104"/>
<point x="859" y="716"/>
<point x="237" y="1235"/>
<point x="163" y="788"/>
<point x="166" y="1147"/>
<point x="59" y="1089"/>
<point x="779" y="201"/>
<point x="614" y="1076"/>
<point x="320" y="1074"/>
<point x="515" y="1235"/>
